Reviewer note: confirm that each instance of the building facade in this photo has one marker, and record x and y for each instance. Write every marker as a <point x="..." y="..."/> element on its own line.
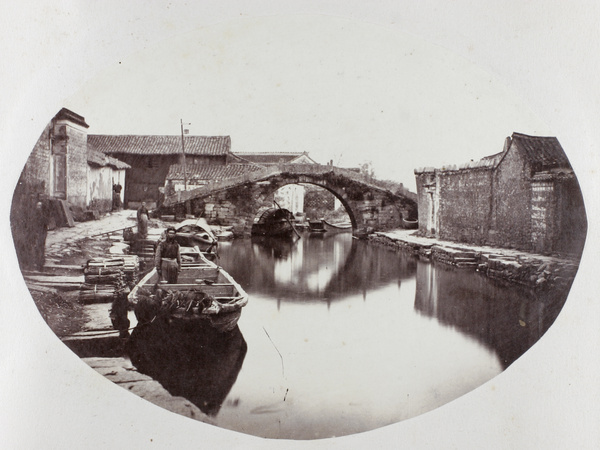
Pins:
<point x="526" y="197"/>
<point x="151" y="157"/>
<point x="62" y="167"/>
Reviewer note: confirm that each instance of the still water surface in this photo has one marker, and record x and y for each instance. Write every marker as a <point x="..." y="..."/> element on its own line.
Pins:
<point x="342" y="336"/>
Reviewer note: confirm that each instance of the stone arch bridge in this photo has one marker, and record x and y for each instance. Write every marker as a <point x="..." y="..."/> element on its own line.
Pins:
<point x="236" y="201"/>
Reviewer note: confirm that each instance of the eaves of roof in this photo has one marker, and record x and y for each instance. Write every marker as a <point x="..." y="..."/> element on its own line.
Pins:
<point x="209" y="171"/>
<point x="100" y="159"/>
<point x="160" y="144"/>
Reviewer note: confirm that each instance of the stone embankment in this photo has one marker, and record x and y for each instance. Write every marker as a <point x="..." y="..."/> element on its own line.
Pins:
<point x="534" y="271"/>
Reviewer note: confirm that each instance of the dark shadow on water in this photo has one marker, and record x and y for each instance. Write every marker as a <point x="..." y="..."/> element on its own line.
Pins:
<point x="191" y="360"/>
<point x="507" y="318"/>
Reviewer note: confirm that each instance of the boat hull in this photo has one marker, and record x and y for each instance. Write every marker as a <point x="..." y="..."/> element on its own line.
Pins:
<point x="330" y="228"/>
<point x="279" y="229"/>
<point x="204" y="294"/>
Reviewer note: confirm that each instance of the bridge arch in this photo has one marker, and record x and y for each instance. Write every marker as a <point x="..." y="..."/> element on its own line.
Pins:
<point x="275" y="187"/>
<point x="235" y="201"/>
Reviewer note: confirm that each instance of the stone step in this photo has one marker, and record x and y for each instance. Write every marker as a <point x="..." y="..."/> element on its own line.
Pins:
<point x="473" y="265"/>
<point x="465" y="260"/>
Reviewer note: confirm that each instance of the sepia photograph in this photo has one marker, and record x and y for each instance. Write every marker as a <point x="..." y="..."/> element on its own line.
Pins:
<point x="300" y="225"/>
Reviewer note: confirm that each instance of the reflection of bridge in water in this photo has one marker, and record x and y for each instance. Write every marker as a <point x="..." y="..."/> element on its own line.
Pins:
<point x="314" y="269"/>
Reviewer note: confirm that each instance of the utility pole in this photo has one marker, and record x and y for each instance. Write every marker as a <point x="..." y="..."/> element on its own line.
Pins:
<point x="183" y="157"/>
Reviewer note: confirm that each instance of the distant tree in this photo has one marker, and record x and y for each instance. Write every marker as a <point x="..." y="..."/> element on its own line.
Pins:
<point x="366" y="168"/>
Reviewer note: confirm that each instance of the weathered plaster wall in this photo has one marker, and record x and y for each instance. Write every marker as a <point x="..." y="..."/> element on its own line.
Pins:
<point x="512" y="208"/>
<point x="100" y="183"/>
<point x="507" y="205"/>
<point x="571" y="218"/>
<point x="77" y="166"/>
<point x="426" y="183"/>
<point x="36" y="172"/>
<point x="464" y="204"/>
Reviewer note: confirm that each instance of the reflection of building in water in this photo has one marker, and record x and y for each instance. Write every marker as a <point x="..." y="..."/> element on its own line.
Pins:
<point x="508" y="319"/>
<point x="286" y="270"/>
<point x="312" y="264"/>
<point x="427" y="291"/>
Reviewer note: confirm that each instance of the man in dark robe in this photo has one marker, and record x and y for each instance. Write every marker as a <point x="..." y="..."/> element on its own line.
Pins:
<point x="39" y="225"/>
<point x="142" y="219"/>
<point x="116" y="206"/>
<point x="168" y="258"/>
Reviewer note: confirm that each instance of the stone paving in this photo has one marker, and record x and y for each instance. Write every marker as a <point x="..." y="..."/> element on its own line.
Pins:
<point x="60" y="241"/>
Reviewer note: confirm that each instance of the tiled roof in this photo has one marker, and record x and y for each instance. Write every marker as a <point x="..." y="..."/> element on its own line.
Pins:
<point x="545" y="151"/>
<point x="160" y="145"/>
<point x="100" y="159"/>
<point x="209" y="171"/>
<point x="270" y="157"/>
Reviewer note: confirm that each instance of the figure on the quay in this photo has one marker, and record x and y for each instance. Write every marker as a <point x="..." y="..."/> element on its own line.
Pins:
<point x="142" y="220"/>
<point x="39" y="231"/>
<point x="116" y="203"/>
<point x="168" y="258"/>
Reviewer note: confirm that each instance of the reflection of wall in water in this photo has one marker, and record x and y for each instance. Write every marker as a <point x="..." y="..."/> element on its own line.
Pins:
<point x="508" y="319"/>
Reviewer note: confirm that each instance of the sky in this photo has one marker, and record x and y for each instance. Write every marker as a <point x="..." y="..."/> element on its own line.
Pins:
<point x="343" y="91"/>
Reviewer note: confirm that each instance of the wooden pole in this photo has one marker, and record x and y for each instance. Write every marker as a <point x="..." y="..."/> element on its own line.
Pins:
<point x="183" y="157"/>
<point x="288" y="220"/>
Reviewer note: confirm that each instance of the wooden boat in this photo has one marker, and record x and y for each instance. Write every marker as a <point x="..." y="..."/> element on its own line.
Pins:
<point x="274" y="222"/>
<point x="203" y="292"/>
<point x="410" y="224"/>
<point x="196" y="233"/>
<point x="316" y="226"/>
<point x="337" y="228"/>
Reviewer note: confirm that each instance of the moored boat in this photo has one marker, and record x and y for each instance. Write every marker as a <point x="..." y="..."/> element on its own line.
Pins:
<point x="316" y="226"/>
<point x="410" y="224"/>
<point x="203" y="292"/>
<point x="196" y="233"/>
<point x="337" y="228"/>
<point x="274" y="222"/>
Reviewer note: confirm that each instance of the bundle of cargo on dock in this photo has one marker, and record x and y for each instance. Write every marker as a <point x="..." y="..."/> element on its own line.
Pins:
<point x="104" y="277"/>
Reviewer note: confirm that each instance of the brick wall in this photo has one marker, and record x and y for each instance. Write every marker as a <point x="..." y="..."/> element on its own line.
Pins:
<point x="36" y="172"/>
<point x="571" y="219"/>
<point x="512" y="209"/>
<point x="464" y="204"/>
<point x="507" y="205"/>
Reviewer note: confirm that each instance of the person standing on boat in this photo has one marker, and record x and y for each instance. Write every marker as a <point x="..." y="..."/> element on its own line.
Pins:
<point x="168" y="258"/>
<point x="142" y="220"/>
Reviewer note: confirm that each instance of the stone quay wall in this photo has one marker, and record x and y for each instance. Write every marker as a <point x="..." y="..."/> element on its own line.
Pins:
<point x="533" y="271"/>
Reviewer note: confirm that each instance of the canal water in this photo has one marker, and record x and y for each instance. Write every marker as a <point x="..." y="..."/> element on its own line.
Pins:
<point x="343" y="336"/>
